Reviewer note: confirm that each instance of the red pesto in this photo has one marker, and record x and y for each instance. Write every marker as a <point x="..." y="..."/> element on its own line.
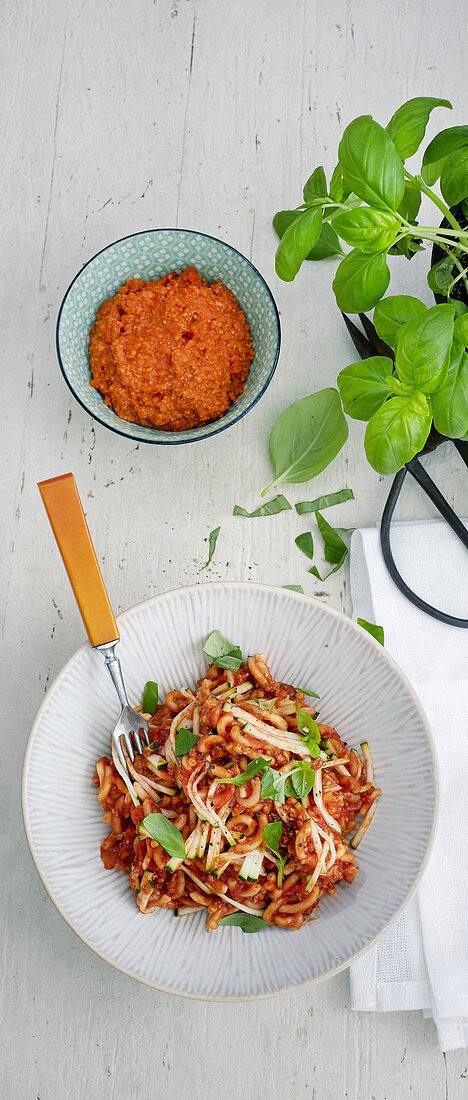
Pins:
<point x="171" y="354"/>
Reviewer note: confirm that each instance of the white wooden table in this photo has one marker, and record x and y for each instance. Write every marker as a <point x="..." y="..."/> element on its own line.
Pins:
<point x="206" y="114"/>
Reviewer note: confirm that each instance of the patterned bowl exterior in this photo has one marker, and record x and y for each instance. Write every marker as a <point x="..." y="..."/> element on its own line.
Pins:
<point x="150" y="255"/>
<point x="363" y="692"/>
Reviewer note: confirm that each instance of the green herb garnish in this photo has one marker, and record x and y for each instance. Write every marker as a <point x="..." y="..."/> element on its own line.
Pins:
<point x="305" y="543"/>
<point x="324" y="502"/>
<point x="278" y="504"/>
<point x="246" y="921"/>
<point x="167" y="835"/>
<point x="272" y="834"/>
<point x="150" y="697"/>
<point x="309" y="730"/>
<point x="306" y="437"/>
<point x="376" y="631"/>
<point x="212" y="546"/>
<point x="335" y="548"/>
<point x="254" y="768"/>
<point x="223" y="653"/>
<point x="185" y="740"/>
<point x="309" y="691"/>
<point x="294" y="588"/>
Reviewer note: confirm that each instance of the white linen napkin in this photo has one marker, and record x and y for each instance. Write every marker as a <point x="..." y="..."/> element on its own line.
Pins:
<point x="422" y="962"/>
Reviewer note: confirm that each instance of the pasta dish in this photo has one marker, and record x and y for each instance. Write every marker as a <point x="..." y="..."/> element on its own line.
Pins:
<point x="243" y="805"/>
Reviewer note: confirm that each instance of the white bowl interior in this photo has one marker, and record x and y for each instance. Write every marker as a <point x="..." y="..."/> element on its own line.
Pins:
<point x="363" y="693"/>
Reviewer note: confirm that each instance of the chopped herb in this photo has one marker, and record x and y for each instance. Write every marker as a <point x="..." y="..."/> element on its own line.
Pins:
<point x="323" y="502"/>
<point x="223" y="653"/>
<point x="254" y="768"/>
<point x="185" y="740"/>
<point x="272" y="834"/>
<point x="335" y="548"/>
<point x="303" y="779"/>
<point x="295" y="783"/>
<point x="308" y="691"/>
<point x="278" y="504"/>
<point x="212" y="546"/>
<point x="150" y="697"/>
<point x="166" y="834"/>
<point x="305" y="543"/>
<point x="273" y="785"/>
<point x="294" y="588"/>
<point x="246" y="921"/>
<point x="308" y="727"/>
<point x="376" y="631"/>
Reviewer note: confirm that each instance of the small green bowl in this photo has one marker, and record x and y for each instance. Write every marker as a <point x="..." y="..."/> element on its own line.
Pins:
<point x="150" y="255"/>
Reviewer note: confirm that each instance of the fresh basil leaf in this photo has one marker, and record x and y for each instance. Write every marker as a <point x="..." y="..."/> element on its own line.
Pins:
<point x="272" y="834"/>
<point x="360" y="281"/>
<point x="443" y="145"/>
<point x="376" y="631"/>
<point x="316" y="186"/>
<point x="440" y="277"/>
<point x="370" y="163"/>
<point x="366" y="229"/>
<point x="450" y="403"/>
<point x="222" y="652"/>
<point x="334" y="544"/>
<point x="212" y="545"/>
<point x="306" y="437"/>
<point x="309" y="691"/>
<point x="408" y="125"/>
<point x="328" y="244"/>
<point x="283" y="219"/>
<point x="296" y="243"/>
<point x="166" y="834"/>
<point x="364" y="387"/>
<point x="454" y="177"/>
<point x="423" y="349"/>
<point x="185" y="740"/>
<point x="273" y="784"/>
<point x="393" y="312"/>
<point x="460" y="329"/>
<point x="303" y="779"/>
<point x="410" y="203"/>
<point x="326" y="501"/>
<point x="254" y="768"/>
<point x="246" y="921"/>
<point x="294" y="588"/>
<point x="396" y="432"/>
<point x="150" y="697"/>
<point x="459" y="307"/>
<point x="335" y="569"/>
<point x="307" y="725"/>
<point x="337" y="188"/>
<point x="305" y="543"/>
<point x="278" y="504"/>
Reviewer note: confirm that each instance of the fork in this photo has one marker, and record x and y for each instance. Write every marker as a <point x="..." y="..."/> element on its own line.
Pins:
<point x="65" y="511"/>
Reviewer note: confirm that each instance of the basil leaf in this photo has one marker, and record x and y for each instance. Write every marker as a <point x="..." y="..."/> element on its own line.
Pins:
<point x="450" y="403"/>
<point x="337" y="188"/>
<point x="370" y="163"/>
<point x="185" y="740"/>
<point x="360" y="281"/>
<point x="376" y="631"/>
<point x="328" y="244"/>
<point x="296" y="243"/>
<point x="364" y="387"/>
<point x="396" y="432"/>
<point x="305" y="543"/>
<point x="423" y="349"/>
<point x="309" y="691"/>
<point x="212" y="545"/>
<point x="316" y="186"/>
<point x="410" y="203"/>
<point x="273" y="784"/>
<point x="166" y="834"/>
<point x="303" y="779"/>
<point x="246" y="921"/>
<point x="334" y="544"/>
<point x="366" y="229"/>
<point x="393" y="312"/>
<point x="306" y="437"/>
<point x="335" y="569"/>
<point x="324" y="502"/>
<point x="294" y="588"/>
<point x="408" y="125"/>
<point x="443" y="145"/>
<point x="454" y="177"/>
<point x="150" y="697"/>
<point x="307" y="725"/>
<point x="441" y="275"/>
<point x="254" y="768"/>
<point x="460" y="328"/>
<point x="272" y="834"/>
<point x="222" y="652"/>
<point x="278" y="504"/>
<point x="283" y="219"/>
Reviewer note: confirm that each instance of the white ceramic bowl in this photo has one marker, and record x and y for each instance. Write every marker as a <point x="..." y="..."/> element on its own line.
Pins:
<point x="363" y="693"/>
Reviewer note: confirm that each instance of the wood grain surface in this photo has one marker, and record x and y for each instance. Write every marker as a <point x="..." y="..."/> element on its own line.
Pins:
<point x="119" y="116"/>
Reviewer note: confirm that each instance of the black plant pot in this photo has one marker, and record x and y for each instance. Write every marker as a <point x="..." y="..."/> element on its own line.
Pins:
<point x="459" y="290"/>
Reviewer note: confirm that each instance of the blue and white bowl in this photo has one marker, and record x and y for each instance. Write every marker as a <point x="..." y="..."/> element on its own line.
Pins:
<point x="150" y="255"/>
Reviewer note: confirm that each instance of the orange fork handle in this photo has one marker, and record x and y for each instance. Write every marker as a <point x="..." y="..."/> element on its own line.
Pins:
<point x="65" y="511"/>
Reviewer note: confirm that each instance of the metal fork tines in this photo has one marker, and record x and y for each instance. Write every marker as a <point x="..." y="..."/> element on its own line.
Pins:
<point x="131" y="729"/>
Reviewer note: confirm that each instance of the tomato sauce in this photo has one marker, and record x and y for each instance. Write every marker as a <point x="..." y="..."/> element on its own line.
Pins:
<point x="171" y="354"/>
